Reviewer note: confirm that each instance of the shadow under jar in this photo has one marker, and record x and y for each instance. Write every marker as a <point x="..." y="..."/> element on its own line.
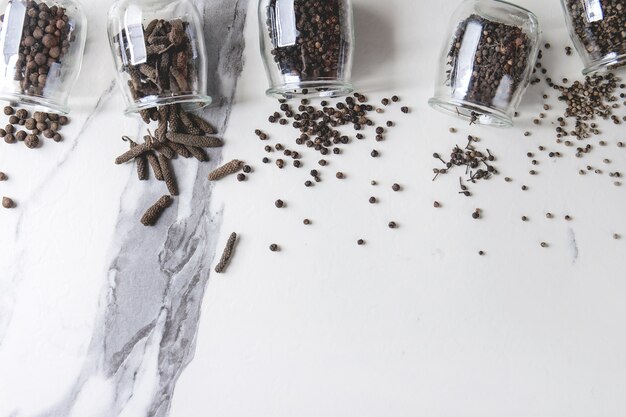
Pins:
<point x="307" y="47"/>
<point x="487" y="62"/>
<point x="42" y="44"/>
<point x="159" y="53"/>
<point x="598" y="30"/>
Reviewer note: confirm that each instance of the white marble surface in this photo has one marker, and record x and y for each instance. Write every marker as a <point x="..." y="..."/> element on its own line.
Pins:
<point x="101" y="317"/>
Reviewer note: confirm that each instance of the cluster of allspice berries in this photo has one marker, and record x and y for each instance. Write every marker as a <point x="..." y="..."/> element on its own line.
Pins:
<point x="27" y="128"/>
<point x="46" y="38"/>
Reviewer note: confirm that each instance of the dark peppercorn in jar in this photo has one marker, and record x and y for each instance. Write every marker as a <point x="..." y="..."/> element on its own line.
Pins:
<point x="598" y="30"/>
<point x="307" y="46"/>
<point x="42" y="44"/>
<point x="486" y="62"/>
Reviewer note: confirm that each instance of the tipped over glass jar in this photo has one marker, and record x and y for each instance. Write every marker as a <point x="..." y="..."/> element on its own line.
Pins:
<point x="598" y="30"/>
<point x="159" y="53"/>
<point x="42" y="44"/>
<point x="307" y="47"/>
<point x="487" y="61"/>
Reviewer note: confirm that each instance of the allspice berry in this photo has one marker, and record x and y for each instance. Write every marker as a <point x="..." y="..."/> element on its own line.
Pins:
<point x="30" y="124"/>
<point x="32" y="141"/>
<point x="3" y="176"/>
<point x="8" y="110"/>
<point x="40" y="116"/>
<point x="40" y="59"/>
<point x="7" y="203"/>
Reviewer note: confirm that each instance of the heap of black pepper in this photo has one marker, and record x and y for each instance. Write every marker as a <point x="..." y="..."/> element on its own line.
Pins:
<point x="602" y="35"/>
<point x="321" y="129"/>
<point x="320" y="43"/>
<point x="502" y="53"/>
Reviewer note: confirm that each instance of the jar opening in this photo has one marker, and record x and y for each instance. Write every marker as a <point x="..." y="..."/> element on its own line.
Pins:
<point x="471" y="112"/>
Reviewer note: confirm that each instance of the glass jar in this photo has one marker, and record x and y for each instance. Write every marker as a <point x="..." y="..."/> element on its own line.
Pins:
<point x="42" y="44"/>
<point x="307" y="47"/>
<point x="159" y="53"/>
<point x="487" y="61"/>
<point x="598" y="30"/>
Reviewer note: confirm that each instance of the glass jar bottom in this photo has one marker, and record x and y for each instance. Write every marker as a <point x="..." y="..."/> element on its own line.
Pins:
<point x="610" y="63"/>
<point x="471" y="112"/>
<point x="307" y="89"/>
<point x="189" y="102"/>
<point x="35" y="103"/>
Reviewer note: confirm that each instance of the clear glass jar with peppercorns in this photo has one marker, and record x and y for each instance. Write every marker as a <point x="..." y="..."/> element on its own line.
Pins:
<point x="486" y="62"/>
<point x="598" y="30"/>
<point x="159" y="52"/>
<point x="307" y="47"/>
<point x="43" y="44"/>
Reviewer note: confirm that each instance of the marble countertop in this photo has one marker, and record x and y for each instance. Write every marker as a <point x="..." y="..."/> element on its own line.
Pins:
<point x="102" y="317"/>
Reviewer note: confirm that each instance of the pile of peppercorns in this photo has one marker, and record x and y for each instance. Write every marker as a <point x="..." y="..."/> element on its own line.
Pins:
<point x="602" y="35"/>
<point x="492" y="62"/>
<point x="320" y="45"/>
<point x="40" y="123"/>
<point x="46" y="38"/>
<point x="318" y="129"/>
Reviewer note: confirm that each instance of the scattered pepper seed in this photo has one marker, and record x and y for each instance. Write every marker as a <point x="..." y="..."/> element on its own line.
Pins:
<point x="306" y="222"/>
<point x="404" y="109"/>
<point x="393" y="225"/>
<point x="274" y="247"/>
<point x="374" y="153"/>
<point x="544" y="245"/>
<point x="396" y="187"/>
<point x="340" y="175"/>
<point x="279" y="204"/>
<point x="437" y="204"/>
<point x="360" y="242"/>
<point x="373" y="200"/>
<point x="7" y="203"/>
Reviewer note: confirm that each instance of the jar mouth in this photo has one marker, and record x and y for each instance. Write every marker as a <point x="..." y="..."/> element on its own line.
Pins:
<point x="518" y="7"/>
<point x="35" y="103"/>
<point x="471" y="112"/>
<point x="310" y="89"/>
<point x="610" y="63"/>
<point x="190" y="102"/>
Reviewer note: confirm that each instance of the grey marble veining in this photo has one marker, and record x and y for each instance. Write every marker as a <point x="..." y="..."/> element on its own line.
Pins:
<point x="149" y="313"/>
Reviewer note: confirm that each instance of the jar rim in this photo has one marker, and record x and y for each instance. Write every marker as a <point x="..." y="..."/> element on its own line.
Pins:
<point x="518" y="7"/>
